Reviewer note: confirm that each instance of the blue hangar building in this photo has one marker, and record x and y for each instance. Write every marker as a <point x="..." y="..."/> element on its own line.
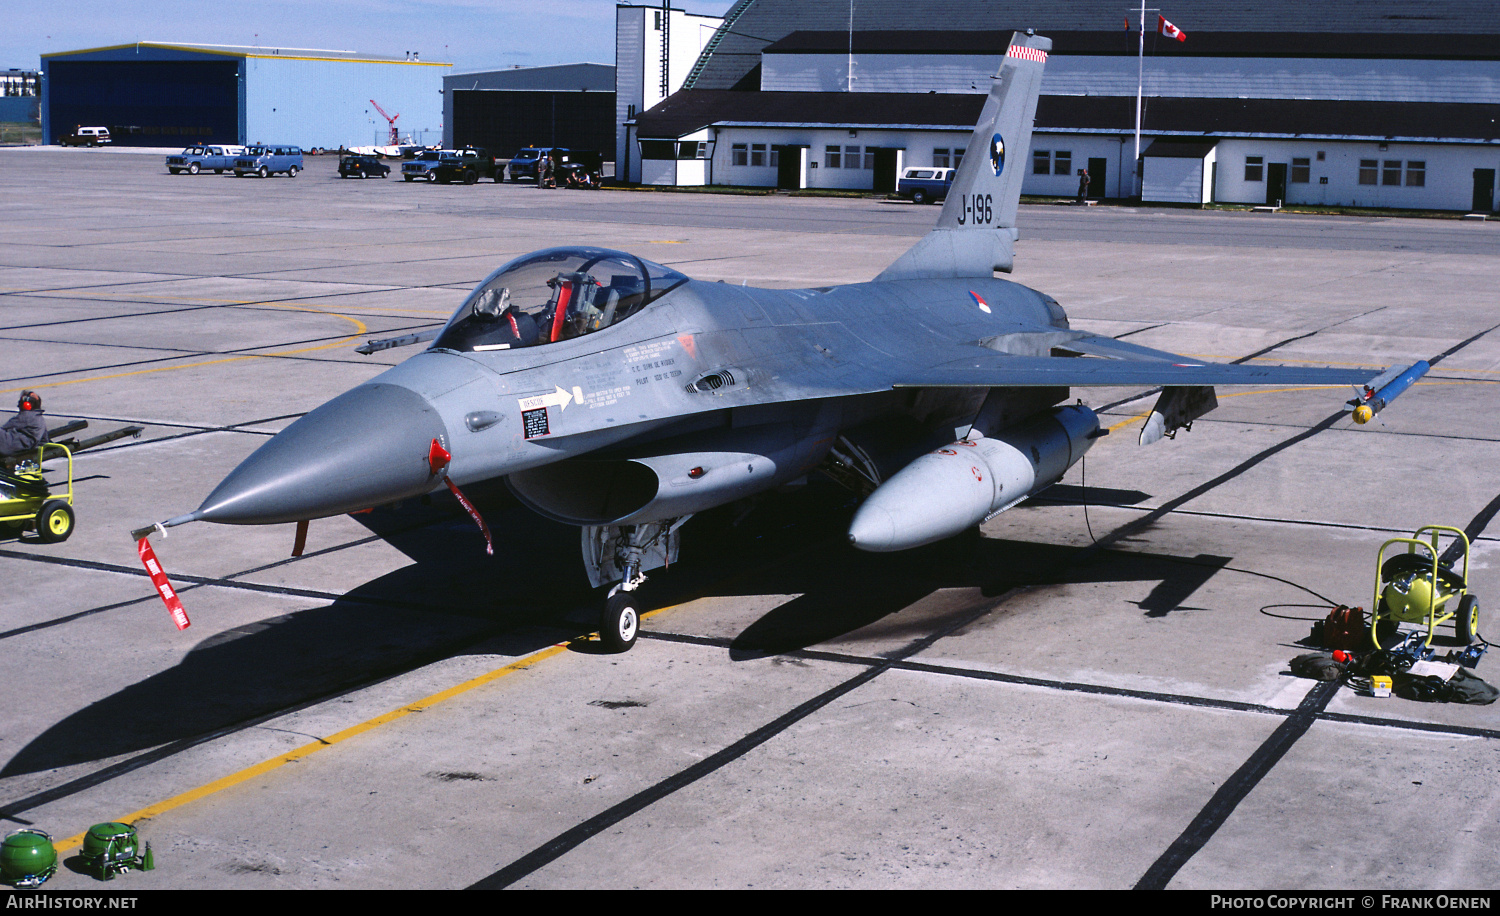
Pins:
<point x="165" y="94"/>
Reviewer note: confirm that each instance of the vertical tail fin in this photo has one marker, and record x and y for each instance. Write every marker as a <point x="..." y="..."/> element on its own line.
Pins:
<point x="975" y="234"/>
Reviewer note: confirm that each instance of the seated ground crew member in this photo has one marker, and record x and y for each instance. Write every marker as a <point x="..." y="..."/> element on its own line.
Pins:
<point x="27" y="429"/>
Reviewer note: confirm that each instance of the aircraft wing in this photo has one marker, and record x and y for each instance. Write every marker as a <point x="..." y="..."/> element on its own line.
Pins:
<point x="1123" y="364"/>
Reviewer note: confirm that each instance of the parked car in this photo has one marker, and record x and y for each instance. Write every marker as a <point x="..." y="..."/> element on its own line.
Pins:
<point x="924" y="185"/>
<point x="362" y="167"/>
<point x="466" y="165"/>
<point x="523" y="166"/>
<point x="266" y="161"/>
<point x="85" y="136"/>
<point x="195" y="159"/>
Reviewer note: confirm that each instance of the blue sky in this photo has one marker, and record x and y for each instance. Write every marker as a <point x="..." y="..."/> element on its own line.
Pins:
<point x="470" y="34"/>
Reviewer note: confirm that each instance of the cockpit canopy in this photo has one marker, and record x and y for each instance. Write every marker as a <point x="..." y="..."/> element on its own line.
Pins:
<point x="552" y="295"/>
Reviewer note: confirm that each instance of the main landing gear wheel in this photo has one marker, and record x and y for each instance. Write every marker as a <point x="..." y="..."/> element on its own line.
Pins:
<point x="621" y="622"/>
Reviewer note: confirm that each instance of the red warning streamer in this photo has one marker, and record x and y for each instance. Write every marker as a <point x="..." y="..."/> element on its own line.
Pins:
<point x="438" y="459"/>
<point x="163" y="587"/>
<point x="489" y="545"/>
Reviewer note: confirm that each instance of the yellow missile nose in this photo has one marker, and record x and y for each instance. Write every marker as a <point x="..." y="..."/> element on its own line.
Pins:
<point x="1363" y="413"/>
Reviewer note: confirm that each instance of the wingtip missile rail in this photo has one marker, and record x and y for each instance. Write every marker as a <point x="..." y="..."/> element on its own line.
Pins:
<point x="1380" y="391"/>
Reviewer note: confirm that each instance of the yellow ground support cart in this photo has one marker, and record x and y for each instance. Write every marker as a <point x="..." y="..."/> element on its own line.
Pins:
<point x="1420" y="586"/>
<point x="27" y="501"/>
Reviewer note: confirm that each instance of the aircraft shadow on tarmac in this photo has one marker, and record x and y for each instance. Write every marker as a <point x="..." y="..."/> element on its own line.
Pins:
<point x="453" y="599"/>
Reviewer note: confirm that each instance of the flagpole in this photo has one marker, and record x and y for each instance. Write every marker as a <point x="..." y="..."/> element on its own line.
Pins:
<point x="1140" y="82"/>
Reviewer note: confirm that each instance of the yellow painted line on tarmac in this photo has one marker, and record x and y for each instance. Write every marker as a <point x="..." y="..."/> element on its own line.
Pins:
<point x="308" y="750"/>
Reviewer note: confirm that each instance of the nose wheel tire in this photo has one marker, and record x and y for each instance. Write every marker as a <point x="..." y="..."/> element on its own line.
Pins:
<point x="621" y="623"/>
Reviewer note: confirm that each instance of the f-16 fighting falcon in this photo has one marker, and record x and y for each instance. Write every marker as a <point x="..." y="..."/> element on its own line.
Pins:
<point x="621" y="396"/>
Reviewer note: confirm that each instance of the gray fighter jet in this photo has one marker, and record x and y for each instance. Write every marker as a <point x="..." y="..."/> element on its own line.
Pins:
<point x="618" y="395"/>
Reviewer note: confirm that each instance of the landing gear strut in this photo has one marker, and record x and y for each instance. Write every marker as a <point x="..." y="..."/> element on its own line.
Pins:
<point x="623" y="554"/>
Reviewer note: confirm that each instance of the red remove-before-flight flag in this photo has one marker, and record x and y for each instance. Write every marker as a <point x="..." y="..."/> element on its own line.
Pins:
<point x="163" y="587"/>
<point x="1169" y="30"/>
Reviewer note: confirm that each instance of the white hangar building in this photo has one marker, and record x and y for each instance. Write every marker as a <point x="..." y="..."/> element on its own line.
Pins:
<point x="1370" y="103"/>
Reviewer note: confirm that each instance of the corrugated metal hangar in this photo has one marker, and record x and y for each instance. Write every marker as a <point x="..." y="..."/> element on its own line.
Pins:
<point x="164" y="94"/>
<point x="1346" y="102"/>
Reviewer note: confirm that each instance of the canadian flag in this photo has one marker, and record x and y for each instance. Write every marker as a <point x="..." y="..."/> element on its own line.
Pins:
<point x="1169" y="30"/>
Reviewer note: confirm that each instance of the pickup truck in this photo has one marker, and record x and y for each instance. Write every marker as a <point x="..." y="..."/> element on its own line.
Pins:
<point x="466" y="165"/>
<point x="924" y="186"/>
<point x="195" y="159"/>
<point x="523" y="166"/>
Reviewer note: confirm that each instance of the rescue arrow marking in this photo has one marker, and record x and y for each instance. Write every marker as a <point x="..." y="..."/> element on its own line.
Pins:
<point x="559" y="399"/>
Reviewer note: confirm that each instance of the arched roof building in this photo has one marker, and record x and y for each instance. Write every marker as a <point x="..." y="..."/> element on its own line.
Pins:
<point x="1372" y="103"/>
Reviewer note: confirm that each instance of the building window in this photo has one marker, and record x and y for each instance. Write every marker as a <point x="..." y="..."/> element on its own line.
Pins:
<point x="940" y="158"/>
<point x="852" y="158"/>
<point x="958" y="158"/>
<point x="757" y="154"/>
<point x="1255" y="167"/>
<point x="870" y="157"/>
<point x="658" y="149"/>
<point x="833" y="157"/>
<point x="1301" y="171"/>
<point x="1390" y="173"/>
<point x="740" y="154"/>
<point x="1416" y="173"/>
<point x="1367" y="171"/>
<point x="691" y="149"/>
<point x="775" y="158"/>
<point x="1041" y="162"/>
<point x="1062" y="162"/>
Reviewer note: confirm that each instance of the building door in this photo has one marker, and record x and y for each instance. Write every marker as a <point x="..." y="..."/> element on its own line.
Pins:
<point x="887" y="167"/>
<point x="1484" y="191"/>
<point x="789" y="165"/>
<point x="1097" y="188"/>
<point x="1276" y="183"/>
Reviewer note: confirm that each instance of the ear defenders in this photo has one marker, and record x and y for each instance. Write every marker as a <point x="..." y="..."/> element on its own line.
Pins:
<point x="30" y="400"/>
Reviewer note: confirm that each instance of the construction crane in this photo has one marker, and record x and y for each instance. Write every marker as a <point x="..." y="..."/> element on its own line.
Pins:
<point x="395" y="136"/>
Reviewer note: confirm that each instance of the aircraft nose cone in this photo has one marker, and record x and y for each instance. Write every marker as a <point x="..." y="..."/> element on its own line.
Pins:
<point x="366" y="447"/>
